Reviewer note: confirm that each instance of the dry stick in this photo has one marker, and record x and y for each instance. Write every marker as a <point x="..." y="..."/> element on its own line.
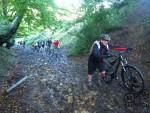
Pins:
<point x="146" y="50"/>
<point x="15" y="85"/>
<point x="140" y="52"/>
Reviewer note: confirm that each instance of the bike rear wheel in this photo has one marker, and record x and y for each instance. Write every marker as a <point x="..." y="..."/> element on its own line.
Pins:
<point x="132" y="78"/>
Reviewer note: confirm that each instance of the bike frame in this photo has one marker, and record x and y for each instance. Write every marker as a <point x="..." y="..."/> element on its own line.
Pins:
<point x="129" y="81"/>
<point x="119" y="60"/>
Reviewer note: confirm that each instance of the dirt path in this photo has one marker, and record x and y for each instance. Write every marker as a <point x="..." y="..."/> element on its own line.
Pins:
<point x="59" y="87"/>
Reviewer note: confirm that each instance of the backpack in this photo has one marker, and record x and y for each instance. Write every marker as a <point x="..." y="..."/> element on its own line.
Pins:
<point x="98" y="45"/>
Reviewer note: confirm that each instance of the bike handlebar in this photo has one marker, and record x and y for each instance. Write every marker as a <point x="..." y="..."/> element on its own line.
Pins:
<point x="120" y="53"/>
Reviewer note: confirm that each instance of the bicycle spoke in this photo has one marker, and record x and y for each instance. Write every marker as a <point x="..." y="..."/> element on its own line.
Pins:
<point x="132" y="79"/>
<point x="136" y="82"/>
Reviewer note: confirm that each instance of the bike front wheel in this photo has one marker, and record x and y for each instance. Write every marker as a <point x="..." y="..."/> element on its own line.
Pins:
<point x="132" y="78"/>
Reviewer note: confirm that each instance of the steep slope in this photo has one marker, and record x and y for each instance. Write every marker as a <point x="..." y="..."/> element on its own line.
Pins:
<point x="136" y="34"/>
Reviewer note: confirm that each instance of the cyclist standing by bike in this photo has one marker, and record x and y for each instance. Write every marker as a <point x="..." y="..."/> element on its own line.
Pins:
<point x="48" y="46"/>
<point x="49" y="42"/>
<point x="56" y="44"/>
<point x="98" y="52"/>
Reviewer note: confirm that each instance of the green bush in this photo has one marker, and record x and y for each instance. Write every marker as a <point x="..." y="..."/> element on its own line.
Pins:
<point x="96" y="23"/>
<point x="99" y="21"/>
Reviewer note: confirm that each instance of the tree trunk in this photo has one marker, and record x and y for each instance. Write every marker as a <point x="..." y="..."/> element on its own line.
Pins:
<point x="5" y="38"/>
<point x="4" y="7"/>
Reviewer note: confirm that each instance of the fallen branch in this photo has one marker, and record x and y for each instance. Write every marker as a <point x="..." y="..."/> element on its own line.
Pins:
<point x="15" y="85"/>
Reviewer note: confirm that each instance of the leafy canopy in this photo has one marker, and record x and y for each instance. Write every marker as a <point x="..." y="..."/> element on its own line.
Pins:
<point x="38" y="14"/>
<point x="96" y="20"/>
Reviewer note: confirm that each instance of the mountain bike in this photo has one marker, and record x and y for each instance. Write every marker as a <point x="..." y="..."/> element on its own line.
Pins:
<point x="131" y="76"/>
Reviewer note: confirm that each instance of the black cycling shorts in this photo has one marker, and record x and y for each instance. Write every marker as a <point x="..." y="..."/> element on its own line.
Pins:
<point x="93" y="66"/>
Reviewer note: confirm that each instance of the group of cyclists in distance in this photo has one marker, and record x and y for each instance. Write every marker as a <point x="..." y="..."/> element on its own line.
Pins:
<point x="20" y="44"/>
<point x="45" y="45"/>
<point x="41" y="46"/>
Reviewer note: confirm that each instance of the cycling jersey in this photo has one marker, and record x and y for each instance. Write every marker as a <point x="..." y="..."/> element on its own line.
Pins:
<point x="97" y="54"/>
<point x="56" y="43"/>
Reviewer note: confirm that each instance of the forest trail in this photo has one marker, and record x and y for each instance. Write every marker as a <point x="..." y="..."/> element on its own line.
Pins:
<point x="60" y="87"/>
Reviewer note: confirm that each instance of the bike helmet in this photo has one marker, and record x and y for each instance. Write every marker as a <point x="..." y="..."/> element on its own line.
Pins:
<point x="105" y="37"/>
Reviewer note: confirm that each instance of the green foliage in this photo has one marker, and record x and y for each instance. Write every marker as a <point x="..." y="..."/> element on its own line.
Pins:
<point x="38" y="14"/>
<point x="4" y="26"/>
<point x="97" y="21"/>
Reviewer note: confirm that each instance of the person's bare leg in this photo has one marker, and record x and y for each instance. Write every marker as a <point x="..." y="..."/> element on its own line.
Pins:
<point x="89" y="78"/>
<point x="103" y="73"/>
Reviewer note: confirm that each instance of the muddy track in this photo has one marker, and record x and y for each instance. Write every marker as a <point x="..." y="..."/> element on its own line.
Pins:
<point x="59" y="87"/>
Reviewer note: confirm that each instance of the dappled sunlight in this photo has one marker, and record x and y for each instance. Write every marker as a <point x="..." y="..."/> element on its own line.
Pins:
<point x="69" y="4"/>
<point x="73" y="9"/>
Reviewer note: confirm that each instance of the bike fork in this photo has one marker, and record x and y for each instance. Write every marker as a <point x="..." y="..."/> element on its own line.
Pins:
<point x="128" y="74"/>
